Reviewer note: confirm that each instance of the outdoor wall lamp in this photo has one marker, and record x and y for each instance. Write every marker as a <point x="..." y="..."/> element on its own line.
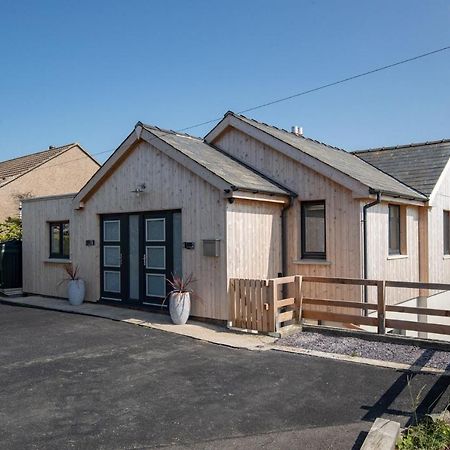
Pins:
<point x="139" y="189"/>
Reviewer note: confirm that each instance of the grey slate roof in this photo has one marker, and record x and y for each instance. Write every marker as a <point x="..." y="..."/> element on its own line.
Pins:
<point x="17" y="166"/>
<point x="341" y="160"/>
<point x="417" y="165"/>
<point x="237" y="174"/>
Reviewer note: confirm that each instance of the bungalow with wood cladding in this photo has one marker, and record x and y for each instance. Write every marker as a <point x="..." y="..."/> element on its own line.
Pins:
<point x="247" y="201"/>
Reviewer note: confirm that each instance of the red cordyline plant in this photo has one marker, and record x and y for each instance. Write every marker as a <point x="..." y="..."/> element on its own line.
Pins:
<point x="71" y="272"/>
<point x="181" y="285"/>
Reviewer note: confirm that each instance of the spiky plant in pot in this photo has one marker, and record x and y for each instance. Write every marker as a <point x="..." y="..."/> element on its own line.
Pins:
<point x="180" y="298"/>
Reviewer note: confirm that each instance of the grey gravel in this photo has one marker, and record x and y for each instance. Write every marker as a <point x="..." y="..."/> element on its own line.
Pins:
<point x="352" y="346"/>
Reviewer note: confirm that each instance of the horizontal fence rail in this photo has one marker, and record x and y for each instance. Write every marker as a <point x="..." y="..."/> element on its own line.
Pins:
<point x="265" y="306"/>
<point x="381" y="321"/>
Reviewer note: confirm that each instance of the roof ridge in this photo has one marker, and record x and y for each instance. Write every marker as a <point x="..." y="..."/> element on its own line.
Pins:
<point x="173" y="132"/>
<point x="39" y="152"/>
<point x="286" y="131"/>
<point x="410" y="145"/>
<point x="413" y="190"/>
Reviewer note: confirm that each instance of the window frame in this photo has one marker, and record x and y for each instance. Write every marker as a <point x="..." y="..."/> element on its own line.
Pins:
<point x="394" y="251"/>
<point x="402" y="231"/>
<point x="60" y="253"/>
<point x="446" y="232"/>
<point x="304" y="253"/>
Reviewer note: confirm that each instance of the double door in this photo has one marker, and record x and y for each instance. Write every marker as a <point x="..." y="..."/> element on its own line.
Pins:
<point x="139" y="253"/>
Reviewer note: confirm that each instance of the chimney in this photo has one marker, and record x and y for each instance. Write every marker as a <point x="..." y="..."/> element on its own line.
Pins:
<point x="298" y="131"/>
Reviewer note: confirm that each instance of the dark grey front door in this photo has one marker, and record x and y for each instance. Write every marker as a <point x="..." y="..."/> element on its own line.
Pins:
<point x="139" y="252"/>
<point x="158" y="257"/>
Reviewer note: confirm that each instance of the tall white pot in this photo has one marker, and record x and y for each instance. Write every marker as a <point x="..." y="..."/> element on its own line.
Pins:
<point x="179" y="307"/>
<point x="76" y="291"/>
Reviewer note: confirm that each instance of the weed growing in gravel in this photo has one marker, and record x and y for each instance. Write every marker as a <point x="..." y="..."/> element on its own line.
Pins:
<point x="428" y="434"/>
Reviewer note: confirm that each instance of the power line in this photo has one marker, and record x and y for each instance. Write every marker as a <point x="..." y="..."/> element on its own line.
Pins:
<point x="324" y="86"/>
<point x="299" y="94"/>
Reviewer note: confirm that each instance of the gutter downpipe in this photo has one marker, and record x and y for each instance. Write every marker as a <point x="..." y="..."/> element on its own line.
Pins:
<point x="284" y="249"/>
<point x="365" y="208"/>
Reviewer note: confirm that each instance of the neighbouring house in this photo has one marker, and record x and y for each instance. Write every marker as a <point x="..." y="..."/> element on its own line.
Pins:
<point x="247" y="201"/>
<point x="55" y="171"/>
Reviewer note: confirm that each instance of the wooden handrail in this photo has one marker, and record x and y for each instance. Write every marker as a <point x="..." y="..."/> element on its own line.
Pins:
<point x="329" y="280"/>
<point x="339" y="303"/>
<point x="418" y="285"/>
<point x="283" y="280"/>
<point x="416" y="310"/>
<point x="388" y="283"/>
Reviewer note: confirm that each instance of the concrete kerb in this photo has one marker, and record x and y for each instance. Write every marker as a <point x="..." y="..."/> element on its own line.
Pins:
<point x="384" y="434"/>
<point x="222" y="336"/>
<point x="360" y="360"/>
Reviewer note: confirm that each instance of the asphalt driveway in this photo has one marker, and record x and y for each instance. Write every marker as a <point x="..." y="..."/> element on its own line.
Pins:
<point x="71" y="381"/>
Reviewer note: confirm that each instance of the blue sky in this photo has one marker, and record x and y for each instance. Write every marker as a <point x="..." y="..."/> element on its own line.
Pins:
<point x="87" y="71"/>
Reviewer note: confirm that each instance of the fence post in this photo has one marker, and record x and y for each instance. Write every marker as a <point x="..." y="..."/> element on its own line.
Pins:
<point x="381" y="311"/>
<point x="298" y="297"/>
<point x="272" y="305"/>
<point x="232" y="304"/>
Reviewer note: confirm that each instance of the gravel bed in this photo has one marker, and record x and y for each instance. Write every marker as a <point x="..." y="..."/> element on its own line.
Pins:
<point x="352" y="346"/>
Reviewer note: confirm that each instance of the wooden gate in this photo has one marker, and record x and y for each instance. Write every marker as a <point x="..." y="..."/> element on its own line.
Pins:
<point x="258" y="305"/>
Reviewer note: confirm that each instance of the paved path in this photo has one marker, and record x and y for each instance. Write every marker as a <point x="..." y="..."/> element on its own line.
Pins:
<point x="72" y="381"/>
<point x="198" y="330"/>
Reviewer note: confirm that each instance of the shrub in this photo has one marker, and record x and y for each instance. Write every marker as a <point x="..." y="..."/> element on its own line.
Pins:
<point x="11" y="229"/>
<point x="428" y="434"/>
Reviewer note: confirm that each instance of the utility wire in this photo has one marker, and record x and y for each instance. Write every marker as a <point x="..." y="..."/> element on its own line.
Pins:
<point x="299" y="94"/>
<point x="325" y="86"/>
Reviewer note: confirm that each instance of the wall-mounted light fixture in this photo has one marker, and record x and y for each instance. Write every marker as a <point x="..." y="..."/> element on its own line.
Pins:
<point x="139" y="189"/>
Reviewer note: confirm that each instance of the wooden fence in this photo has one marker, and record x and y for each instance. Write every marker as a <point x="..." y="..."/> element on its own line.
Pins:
<point x="259" y="305"/>
<point x="380" y="321"/>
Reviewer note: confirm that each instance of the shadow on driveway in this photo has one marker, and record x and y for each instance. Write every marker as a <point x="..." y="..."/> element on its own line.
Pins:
<point x="70" y="381"/>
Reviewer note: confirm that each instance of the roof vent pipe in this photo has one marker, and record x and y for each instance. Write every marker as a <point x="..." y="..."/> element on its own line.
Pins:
<point x="297" y="130"/>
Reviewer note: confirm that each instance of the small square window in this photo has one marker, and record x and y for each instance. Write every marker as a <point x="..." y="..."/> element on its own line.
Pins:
<point x="59" y="240"/>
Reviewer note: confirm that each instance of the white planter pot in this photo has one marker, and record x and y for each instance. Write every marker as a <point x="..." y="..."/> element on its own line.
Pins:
<point x="76" y="291"/>
<point x="179" y="307"/>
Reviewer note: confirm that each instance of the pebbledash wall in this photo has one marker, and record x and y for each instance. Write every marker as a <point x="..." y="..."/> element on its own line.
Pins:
<point x="62" y="174"/>
<point x="249" y="231"/>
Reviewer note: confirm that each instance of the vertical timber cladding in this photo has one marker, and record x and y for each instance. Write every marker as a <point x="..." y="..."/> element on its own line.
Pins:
<point x="41" y="275"/>
<point x="439" y="265"/>
<point x="343" y="253"/>
<point x="381" y="265"/>
<point x="254" y="239"/>
<point x="169" y="186"/>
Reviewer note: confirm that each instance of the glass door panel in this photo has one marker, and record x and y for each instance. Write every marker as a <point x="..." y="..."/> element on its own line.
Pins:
<point x="113" y="240"/>
<point x="158" y="256"/>
<point x="134" y="258"/>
